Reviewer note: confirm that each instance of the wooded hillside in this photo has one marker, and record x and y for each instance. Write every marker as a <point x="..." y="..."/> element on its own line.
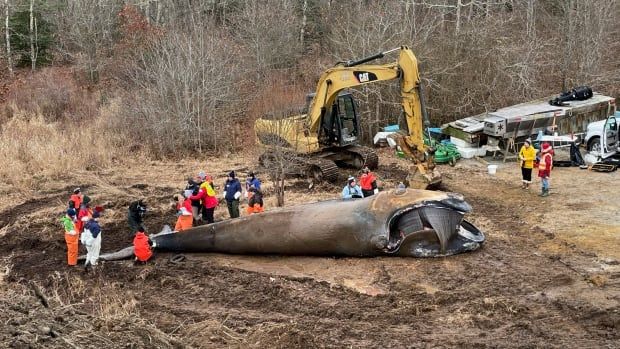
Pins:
<point x="172" y="77"/>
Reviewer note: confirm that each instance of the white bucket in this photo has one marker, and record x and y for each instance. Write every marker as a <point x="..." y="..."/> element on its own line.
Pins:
<point x="492" y="169"/>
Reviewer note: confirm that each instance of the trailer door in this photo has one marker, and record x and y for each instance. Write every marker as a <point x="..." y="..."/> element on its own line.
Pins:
<point x="609" y="141"/>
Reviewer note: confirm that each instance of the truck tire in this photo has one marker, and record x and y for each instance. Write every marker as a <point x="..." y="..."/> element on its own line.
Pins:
<point x="594" y="144"/>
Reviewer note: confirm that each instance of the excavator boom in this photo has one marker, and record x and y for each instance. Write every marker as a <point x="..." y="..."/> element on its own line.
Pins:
<point x="317" y="133"/>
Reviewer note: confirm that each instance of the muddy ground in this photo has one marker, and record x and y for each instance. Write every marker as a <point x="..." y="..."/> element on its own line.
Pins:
<point x="548" y="275"/>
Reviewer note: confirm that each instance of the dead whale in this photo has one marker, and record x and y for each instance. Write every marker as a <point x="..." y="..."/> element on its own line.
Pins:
<point x="412" y="223"/>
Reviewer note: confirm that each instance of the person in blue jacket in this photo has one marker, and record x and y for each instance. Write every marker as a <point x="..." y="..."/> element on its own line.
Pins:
<point x="352" y="190"/>
<point x="232" y="193"/>
<point x="252" y="181"/>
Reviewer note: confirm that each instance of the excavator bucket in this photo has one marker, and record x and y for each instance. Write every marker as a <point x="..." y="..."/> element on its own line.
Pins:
<point x="420" y="177"/>
<point x="423" y="173"/>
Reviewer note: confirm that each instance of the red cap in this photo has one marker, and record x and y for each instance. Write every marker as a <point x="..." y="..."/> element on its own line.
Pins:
<point x="545" y="147"/>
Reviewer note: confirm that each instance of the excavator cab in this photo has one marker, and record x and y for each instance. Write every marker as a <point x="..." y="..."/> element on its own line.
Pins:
<point x="339" y="126"/>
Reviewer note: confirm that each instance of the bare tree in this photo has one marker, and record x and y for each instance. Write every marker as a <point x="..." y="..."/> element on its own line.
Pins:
<point x="7" y="37"/>
<point x="531" y="19"/>
<point x="304" y="21"/>
<point x="191" y="88"/>
<point x="88" y="28"/>
<point x="278" y="101"/>
<point x="269" y="31"/>
<point x="32" y="34"/>
<point x="188" y="96"/>
<point x="585" y="28"/>
<point x="278" y="159"/>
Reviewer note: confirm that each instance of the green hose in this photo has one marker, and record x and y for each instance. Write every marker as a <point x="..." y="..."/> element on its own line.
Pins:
<point x="444" y="153"/>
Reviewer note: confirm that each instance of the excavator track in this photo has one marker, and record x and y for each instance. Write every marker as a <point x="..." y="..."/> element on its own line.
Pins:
<point x="316" y="169"/>
<point x="321" y="170"/>
<point x="368" y="155"/>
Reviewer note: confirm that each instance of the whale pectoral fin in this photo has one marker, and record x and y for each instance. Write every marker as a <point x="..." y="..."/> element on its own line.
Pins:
<point x="125" y="253"/>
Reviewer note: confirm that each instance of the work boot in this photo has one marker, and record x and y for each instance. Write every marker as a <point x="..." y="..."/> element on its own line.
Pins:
<point x="545" y="192"/>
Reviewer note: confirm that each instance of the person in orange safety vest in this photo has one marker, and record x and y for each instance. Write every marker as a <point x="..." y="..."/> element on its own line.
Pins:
<point x="544" y="167"/>
<point x="142" y="246"/>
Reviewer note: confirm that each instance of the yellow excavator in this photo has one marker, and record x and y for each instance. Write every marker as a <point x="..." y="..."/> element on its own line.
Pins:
<point x="325" y="137"/>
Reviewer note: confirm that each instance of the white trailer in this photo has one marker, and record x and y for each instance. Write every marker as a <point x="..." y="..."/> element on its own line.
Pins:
<point x="511" y="125"/>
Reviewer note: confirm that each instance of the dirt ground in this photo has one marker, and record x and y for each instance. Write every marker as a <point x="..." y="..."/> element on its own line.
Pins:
<point x="548" y="275"/>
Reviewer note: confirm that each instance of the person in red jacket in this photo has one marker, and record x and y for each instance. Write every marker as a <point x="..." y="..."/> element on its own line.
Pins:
<point x="368" y="182"/>
<point x="544" y="167"/>
<point x="84" y="214"/>
<point x="76" y="199"/>
<point x="206" y="194"/>
<point x="142" y="246"/>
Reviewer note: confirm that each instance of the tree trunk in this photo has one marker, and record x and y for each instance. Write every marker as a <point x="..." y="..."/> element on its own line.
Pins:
<point x="568" y="45"/>
<point x="412" y="17"/>
<point x="458" y="19"/>
<point x="8" y="37"/>
<point x="304" y="20"/>
<point x="147" y="11"/>
<point x="530" y="19"/>
<point x="33" y="57"/>
<point x="281" y="191"/>
<point x="158" y="13"/>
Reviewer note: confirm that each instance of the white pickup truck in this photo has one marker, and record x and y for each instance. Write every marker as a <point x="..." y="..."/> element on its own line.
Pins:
<point x="604" y="144"/>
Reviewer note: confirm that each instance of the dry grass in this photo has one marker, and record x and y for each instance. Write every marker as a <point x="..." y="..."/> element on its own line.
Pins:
<point x="31" y="148"/>
<point x="113" y="306"/>
<point x="107" y="301"/>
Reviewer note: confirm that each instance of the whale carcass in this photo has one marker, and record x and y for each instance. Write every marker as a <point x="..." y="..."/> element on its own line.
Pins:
<point x="413" y="223"/>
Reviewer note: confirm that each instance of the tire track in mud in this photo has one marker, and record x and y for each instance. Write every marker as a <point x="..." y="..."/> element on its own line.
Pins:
<point x="30" y="206"/>
<point x="540" y="271"/>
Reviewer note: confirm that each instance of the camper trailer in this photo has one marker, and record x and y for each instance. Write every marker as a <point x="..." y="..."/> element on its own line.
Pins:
<point x="529" y="119"/>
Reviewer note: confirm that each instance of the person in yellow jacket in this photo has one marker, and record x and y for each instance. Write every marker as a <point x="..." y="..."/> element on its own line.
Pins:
<point x="527" y="155"/>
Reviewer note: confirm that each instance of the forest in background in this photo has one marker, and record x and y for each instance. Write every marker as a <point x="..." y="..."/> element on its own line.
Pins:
<point x="106" y="80"/>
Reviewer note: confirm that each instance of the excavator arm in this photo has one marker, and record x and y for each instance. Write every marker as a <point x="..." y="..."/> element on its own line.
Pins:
<point x="356" y="73"/>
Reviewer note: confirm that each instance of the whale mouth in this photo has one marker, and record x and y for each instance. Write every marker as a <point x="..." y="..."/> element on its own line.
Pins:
<point x="432" y="229"/>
